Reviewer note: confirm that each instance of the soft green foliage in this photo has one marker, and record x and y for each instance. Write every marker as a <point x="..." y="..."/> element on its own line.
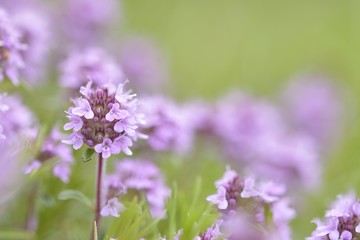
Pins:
<point x="75" y="195"/>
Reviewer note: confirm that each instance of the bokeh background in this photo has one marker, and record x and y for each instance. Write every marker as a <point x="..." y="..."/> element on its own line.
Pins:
<point x="214" y="47"/>
<point x="258" y="46"/>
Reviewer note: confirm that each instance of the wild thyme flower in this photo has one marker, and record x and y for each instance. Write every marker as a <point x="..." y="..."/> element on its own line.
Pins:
<point x="11" y="107"/>
<point x="243" y="124"/>
<point x="90" y="64"/>
<point x="168" y="125"/>
<point x="314" y="106"/>
<point x="139" y="175"/>
<point x="86" y="20"/>
<point x="143" y="64"/>
<point x="11" y="47"/>
<point x="341" y="222"/>
<point x="104" y="119"/>
<point x="33" y="28"/>
<point x="52" y="148"/>
<point x="212" y="233"/>
<point x="263" y="200"/>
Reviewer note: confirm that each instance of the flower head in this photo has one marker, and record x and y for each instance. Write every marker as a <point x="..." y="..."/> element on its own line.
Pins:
<point x="167" y="125"/>
<point x="261" y="203"/>
<point x="102" y="122"/>
<point x="11" y="47"/>
<point x="342" y="221"/>
<point x="53" y="149"/>
<point x="139" y="175"/>
<point x="33" y="27"/>
<point x="90" y="64"/>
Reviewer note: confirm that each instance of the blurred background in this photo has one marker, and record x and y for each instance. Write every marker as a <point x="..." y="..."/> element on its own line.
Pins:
<point x="258" y="46"/>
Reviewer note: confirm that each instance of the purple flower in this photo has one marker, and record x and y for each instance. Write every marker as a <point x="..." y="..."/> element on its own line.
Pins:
<point x="106" y="148"/>
<point x="262" y="202"/>
<point x="16" y="119"/>
<point x="53" y="149"/>
<point x="102" y="122"/>
<point x="143" y="63"/>
<point x="219" y="199"/>
<point x="11" y="47"/>
<point x="33" y="28"/>
<point x="75" y="139"/>
<point x="112" y="208"/>
<point x="91" y="64"/>
<point x="314" y="106"/>
<point x="168" y="126"/>
<point x="123" y="143"/>
<point x="342" y="221"/>
<point x="139" y="175"/>
<point x="75" y="123"/>
<point x="212" y="233"/>
<point x="85" y="20"/>
<point x="116" y="113"/>
<point x="82" y="108"/>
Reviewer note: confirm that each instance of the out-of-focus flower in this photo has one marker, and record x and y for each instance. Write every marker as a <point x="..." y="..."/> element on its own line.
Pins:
<point x="112" y="208"/>
<point x="314" y="106"/>
<point x="11" y="60"/>
<point x="342" y="221"/>
<point x="258" y="139"/>
<point x="105" y="120"/>
<point x="143" y="64"/>
<point x="168" y="126"/>
<point x="262" y="200"/>
<point x="212" y="233"/>
<point x="52" y="148"/>
<point x="33" y="28"/>
<point x="91" y="64"/>
<point x="86" y="19"/>
<point x="19" y="129"/>
<point x="139" y="175"/>
<point x="16" y="119"/>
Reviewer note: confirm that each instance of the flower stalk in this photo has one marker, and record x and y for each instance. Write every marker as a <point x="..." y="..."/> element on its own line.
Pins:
<point x="97" y="218"/>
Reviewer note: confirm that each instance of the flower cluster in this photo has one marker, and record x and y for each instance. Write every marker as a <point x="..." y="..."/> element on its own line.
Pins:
<point x="90" y="64"/>
<point x="242" y="124"/>
<point x="263" y="201"/>
<point x="138" y="175"/>
<point x="212" y="233"/>
<point x="33" y="27"/>
<point x="168" y="125"/>
<point x="52" y="148"/>
<point x="342" y="221"/>
<point x="85" y="20"/>
<point x="11" y="125"/>
<point x="11" y="47"/>
<point x="142" y="63"/>
<point x="104" y="119"/>
<point x="314" y="106"/>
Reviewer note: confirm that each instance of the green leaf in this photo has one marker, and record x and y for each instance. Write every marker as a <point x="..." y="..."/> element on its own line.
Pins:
<point x="88" y="155"/>
<point x="75" y="195"/>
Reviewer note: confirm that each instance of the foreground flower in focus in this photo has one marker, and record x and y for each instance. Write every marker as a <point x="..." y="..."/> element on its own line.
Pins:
<point x="104" y="119"/>
<point x="342" y="221"/>
<point x="137" y="175"/>
<point x="10" y="49"/>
